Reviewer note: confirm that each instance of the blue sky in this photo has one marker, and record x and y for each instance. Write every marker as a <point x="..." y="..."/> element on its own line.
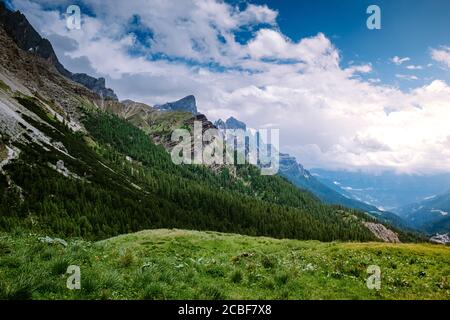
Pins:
<point x="409" y="29"/>
<point x="343" y="96"/>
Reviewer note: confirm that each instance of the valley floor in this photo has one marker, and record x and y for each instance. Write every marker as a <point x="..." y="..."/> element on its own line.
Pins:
<point x="179" y="264"/>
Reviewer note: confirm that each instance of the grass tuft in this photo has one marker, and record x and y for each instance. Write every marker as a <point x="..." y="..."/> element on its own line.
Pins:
<point x="236" y="276"/>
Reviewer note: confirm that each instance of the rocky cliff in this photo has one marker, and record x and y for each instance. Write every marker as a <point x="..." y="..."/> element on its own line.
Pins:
<point x="27" y="38"/>
<point x="96" y="85"/>
<point x="186" y="104"/>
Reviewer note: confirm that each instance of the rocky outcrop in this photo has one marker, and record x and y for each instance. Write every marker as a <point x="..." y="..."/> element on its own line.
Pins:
<point x="440" y="239"/>
<point x="381" y="232"/>
<point x="94" y="84"/>
<point x="28" y="39"/>
<point x="206" y="124"/>
<point x="165" y="139"/>
<point x="187" y="104"/>
<point x="32" y="75"/>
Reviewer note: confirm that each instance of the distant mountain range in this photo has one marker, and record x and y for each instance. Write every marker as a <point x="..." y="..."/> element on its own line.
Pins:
<point x="302" y="178"/>
<point x="420" y="200"/>
<point x="387" y="190"/>
<point x="431" y="215"/>
<point x="294" y="172"/>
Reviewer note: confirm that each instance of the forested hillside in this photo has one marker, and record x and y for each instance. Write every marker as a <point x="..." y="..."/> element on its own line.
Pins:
<point x="104" y="194"/>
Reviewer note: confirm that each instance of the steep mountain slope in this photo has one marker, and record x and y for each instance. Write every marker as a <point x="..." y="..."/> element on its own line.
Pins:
<point x="27" y="38"/>
<point x="72" y="165"/>
<point x="295" y="172"/>
<point x="431" y="215"/>
<point x="115" y="180"/>
<point x="159" y="124"/>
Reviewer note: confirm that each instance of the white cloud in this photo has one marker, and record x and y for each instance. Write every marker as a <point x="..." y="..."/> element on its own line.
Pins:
<point x="398" y="61"/>
<point x="366" y="68"/>
<point x="328" y="115"/>
<point x="441" y="55"/>
<point x="258" y="14"/>
<point x="314" y="51"/>
<point x="413" y="67"/>
<point x="406" y="77"/>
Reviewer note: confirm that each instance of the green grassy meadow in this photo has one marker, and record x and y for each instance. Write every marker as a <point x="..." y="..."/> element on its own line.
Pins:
<point x="179" y="264"/>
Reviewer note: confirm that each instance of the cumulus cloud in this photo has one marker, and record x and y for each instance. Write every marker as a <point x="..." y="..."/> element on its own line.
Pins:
<point x="441" y="55"/>
<point x="398" y="61"/>
<point x="328" y="115"/>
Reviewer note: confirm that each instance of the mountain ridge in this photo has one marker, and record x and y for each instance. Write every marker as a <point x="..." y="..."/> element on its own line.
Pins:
<point x="230" y="123"/>
<point x="187" y="104"/>
<point x="431" y="215"/>
<point x="27" y="38"/>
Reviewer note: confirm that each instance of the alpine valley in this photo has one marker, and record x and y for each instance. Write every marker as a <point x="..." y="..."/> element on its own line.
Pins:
<point x="88" y="180"/>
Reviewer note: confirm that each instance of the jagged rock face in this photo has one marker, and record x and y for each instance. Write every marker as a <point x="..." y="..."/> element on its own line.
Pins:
<point x="96" y="85"/>
<point x="206" y="124"/>
<point x="440" y="239"/>
<point x="166" y="141"/>
<point x="30" y="74"/>
<point x="27" y="38"/>
<point x="186" y="104"/>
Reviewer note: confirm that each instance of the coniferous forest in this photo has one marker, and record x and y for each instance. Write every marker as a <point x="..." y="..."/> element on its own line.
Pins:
<point x="111" y="194"/>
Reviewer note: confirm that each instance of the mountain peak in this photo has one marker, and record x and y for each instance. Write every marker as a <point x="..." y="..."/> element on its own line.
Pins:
<point x="187" y="103"/>
<point x="233" y="123"/>
<point x="28" y="39"/>
<point x="96" y="85"/>
<point x="220" y="124"/>
<point x="230" y="123"/>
